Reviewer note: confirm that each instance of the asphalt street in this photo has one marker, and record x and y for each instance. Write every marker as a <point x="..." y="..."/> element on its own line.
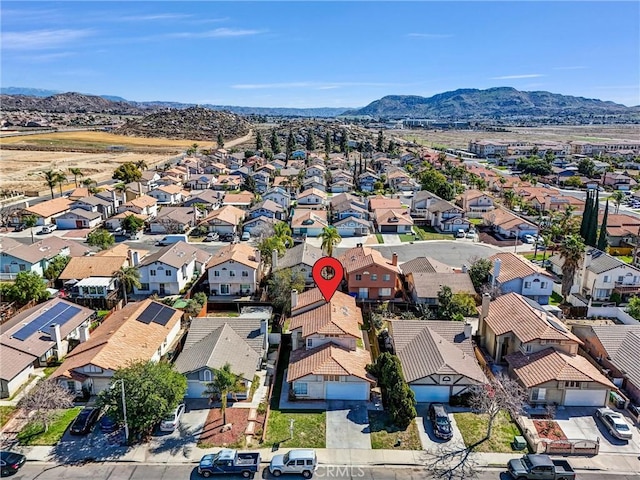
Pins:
<point x="188" y="472"/>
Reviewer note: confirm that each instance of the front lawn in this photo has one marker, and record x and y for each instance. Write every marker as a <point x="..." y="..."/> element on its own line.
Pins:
<point x="473" y="428"/>
<point x="379" y="237"/>
<point x="385" y="435"/>
<point x="405" y="237"/>
<point x="428" y="233"/>
<point x="539" y="257"/>
<point x="5" y="414"/>
<point x="34" y="434"/>
<point x="475" y="221"/>
<point x="555" y="299"/>
<point x="625" y="258"/>
<point x="309" y="429"/>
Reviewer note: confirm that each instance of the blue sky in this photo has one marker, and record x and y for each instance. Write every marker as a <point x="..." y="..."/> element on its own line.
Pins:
<point x="312" y="54"/>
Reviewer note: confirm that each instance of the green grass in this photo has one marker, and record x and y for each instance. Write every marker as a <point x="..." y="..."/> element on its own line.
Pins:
<point x="50" y="369"/>
<point x="385" y="435"/>
<point x="475" y="221"/>
<point x="405" y="237"/>
<point x="34" y="434"/>
<point x="531" y="256"/>
<point x="379" y="237"/>
<point x="555" y="299"/>
<point x="428" y="233"/>
<point x="102" y="313"/>
<point x="473" y="428"/>
<point x="625" y="258"/>
<point x="5" y="414"/>
<point x="309" y="429"/>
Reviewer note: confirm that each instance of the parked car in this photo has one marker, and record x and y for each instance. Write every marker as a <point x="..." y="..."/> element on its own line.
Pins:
<point x="635" y="410"/>
<point x="471" y="233"/>
<point x="227" y="237"/>
<point x="540" y="467"/>
<point x="528" y="239"/>
<point x="85" y="421"/>
<point x="171" y="421"/>
<point x="302" y="462"/>
<point x="108" y="424"/>
<point x="211" y="237"/>
<point x="440" y="421"/>
<point x="20" y="227"/>
<point x="615" y="423"/>
<point x="229" y="462"/>
<point x="460" y="233"/>
<point x="245" y="236"/>
<point x="10" y="462"/>
<point x="48" y="228"/>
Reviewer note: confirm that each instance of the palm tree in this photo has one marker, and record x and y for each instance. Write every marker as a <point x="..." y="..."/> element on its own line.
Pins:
<point x="51" y="178"/>
<point x="617" y="198"/>
<point x="572" y="251"/>
<point x="509" y="197"/>
<point x="30" y="222"/>
<point x="142" y="165"/>
<point x="91" y="185"/>
<point x="61" y="179"/>
<point x="76" y="172"/>
<point x="282" y="231"/>
<point x="224" y="382"/>
<point x="127" y="277"/>
<point x="330" y="238"/>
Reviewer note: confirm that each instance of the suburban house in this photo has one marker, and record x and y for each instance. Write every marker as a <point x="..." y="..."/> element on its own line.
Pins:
<point x="115" y="221"/>
<point x="619" y="181"/>
<point x="140" y="331"/>
<point x="228" y="182"/>
<point x="367" y="180"/>
<point x="202" y="181"/>
<point x="475" y="203"/>
<point x="78" y="218"/>
<point x="242" y="200"/>
<point x="259" y="224"/>
<point x="150" y="178"/>
<point x="175" y="220"/>
<point x="326" y="362"/>
<point x="541" y="353"/>
<point x="224" y="220"/>
<point x="307" y="222"/>
<point x="514" y="273"/>
<point x="299" y="258"/>
<point x="446" y="217"/>
<point x="347" y="208"/>
<point x="340" y="186"/>
<point x="234" y="270"/>
<point x="144" y="205"/>
<point x="106" y="207"/>
<point x="269" y="209"/>
<point x="85" y="267"/>
<point x="393" y="221"/>
<point x="314" y="183"/>
<point x="47" y="211"/>
<point x="312" y="198"/>
<point x="509" y="225"/>
<point x="278" y="195"/>
<point x="450" y="368"/>
<point x="353" y="227"/>
<point x="316" y="170"/>
<point x="38" y="335"/>
<point x="617" y="349"/>
<point x="424" y="287"/>
<point x="369" y="275"/>
<point x="380" y="202"/>
<point x="169" y="270"/>
<point x="419" y="203"/>
<point x="167" y="194"/>
<point x="208" y="198"/>
<point x="426" y="265"/>
<point x="242" y="342"/>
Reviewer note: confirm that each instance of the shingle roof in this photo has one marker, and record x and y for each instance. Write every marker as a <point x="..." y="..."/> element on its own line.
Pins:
<point x="549" y="364"/>
<point x="94" y="266"/>
<point x="268" y="205"/>
<point x="303" y="253"/>
<point x="434" y="348"/>
<point x="338" y="317"/>
<point x="329" y="359"/>
<point x="14" y="362"/>
<point x="426" y="265"/>
<point x="312" y="191"/>
<point x="50" y="207"/>
<point x="612" y="336"/>
<point x="182" y="215"/>
<point x="393" y="217"/>
<point x="602" y="262"/>
<point x="442" y="205"/>
<point x="246" y="327"/>
<point x="514" y="266"/>
<point x="427" y="285"/>
<point x="239" y="252"/>
<point x="526" y="319"/>
<point x="358" y="258"/>
<point x="176" y="255"/>
<point x="622" y="343"/>
<point x="46" y="248"/>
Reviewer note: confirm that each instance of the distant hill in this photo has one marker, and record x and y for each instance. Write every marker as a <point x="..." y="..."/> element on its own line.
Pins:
<point x="69" y="103"/>
<point x="502" y="102"/>
<point x="32" y="92"/>
<point x="194" y="123"/>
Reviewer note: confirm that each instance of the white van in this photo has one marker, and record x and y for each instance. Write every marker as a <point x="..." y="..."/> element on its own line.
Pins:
<point x="302" y="462"/>
<point x="171" y="239"/>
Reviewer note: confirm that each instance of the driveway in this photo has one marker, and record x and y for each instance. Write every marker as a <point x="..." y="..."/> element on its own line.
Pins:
<point x="348" y="425"/>
<point x="430" y="443"/>
<point x="579" y="422"/>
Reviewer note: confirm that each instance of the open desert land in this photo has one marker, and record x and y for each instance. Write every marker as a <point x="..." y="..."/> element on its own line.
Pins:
<point x="554" y="133"/>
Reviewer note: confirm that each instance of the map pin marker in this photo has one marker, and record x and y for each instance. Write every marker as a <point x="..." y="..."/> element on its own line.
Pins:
<point x="327" y="273"/>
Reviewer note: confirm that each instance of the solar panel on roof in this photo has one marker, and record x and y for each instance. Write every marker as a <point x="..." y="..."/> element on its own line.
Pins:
<point x="60" y="313"/>
<point x="164" y="316"/>
<point x="149" y="313"/>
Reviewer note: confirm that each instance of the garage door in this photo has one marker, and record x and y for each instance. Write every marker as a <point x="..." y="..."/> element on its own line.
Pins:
<point x="195" y="389"/>
<point x="431" y="393"/>
<point x="347" y="391"/>
<point x="389" y="228"/>
<point x="585" y="398"/>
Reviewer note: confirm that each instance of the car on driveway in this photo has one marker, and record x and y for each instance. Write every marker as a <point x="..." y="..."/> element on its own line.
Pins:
<point x="440" y="421"/>
<point x="245" y="236"/>
<point x="108" y="424"/>
<point x="85" y="421"/>
<point x="10" y="462"/>
<point x="211" y="237"/>
<point x="615" y="423"/>
<point x="171" y="421"/>
<point x="48" y="229"/>
<point x="528" y="239"/>
<point x="20" y="227"/>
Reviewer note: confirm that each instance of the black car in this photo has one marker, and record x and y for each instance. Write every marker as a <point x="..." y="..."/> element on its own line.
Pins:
<point x="10" y="462"/>
<point x="108" y="424"/>
<point x="440" y="420"/>
<point x="84" y="421"/>
<point x="20" y="227"/>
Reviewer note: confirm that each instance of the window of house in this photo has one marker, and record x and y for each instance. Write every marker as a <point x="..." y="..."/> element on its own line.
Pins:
<point x="22" y="267"/>
<point x="245" y="288"/>
<point x="167" y="273"/>
<point x="606" y="279"/>
<point x="538" y="394"/>
<point x="572" y="384"/>
<point x="363" y="293"/>
<point x="206" y="376"/>
<point x="232" y="273"/>
<point x="358" y="277"/>
<point x="216" y="273"/>
<point x="144" y="286"/>
<point x="245" y="273"/>
<point x="309" y="342"/>
<point x="332" y="378"/>
<point x="543" y="284"/>
<point x="92" y="369"/>
<point x="374" y="277"/>
<point x="620" y="279"/>
<point x="386" y="277"/>
<point x="527" y="284"/>
<point x="602" y="293"/>
<point x="152" y="273"/>
<point x="300" y="388"/>
<point x="385" y="292"/>
<point x="224" y="289"/>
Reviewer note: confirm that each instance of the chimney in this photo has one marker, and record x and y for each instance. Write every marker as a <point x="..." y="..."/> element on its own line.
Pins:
<point x="84" y="333"/>
<point x="56" y="336"/>
<point x="294" y="298"/>
<point x="394" y="259"/>
<point x="496" y="271"/>
<point x="124" y="196"/>
<point x="586" y="262"/>
<point x="134" y="258"/>
<point x="484" y="312"/>
<point x="274" y="259"/>
<point x="264" y="330"/>
<point x="26" y="204"/>
<point x="195" y="215"/>
<point x="139" y="189"/>
<point x="359" y="245"/>
<point x="465" y="268"/>
<point x="467" y="330"/>
<point x="257" y="256"/>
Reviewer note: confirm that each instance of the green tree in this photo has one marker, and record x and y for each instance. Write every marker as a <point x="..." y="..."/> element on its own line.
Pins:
<point x="280" y="285"/>
<point x="479" y="272"/>
<point x="603" y="242"/>
<point x="573" y="182"/>
<point x="586" y="167"/>
<point x="61" y="180"/>
<point x="192" y="150"/>
<point x="327" y="144"/>
<point x="76" y="172"/>
<point x="617" y="198"/>
<point x="127" y="173"/>
<point x="132" y="224"/>
<point x="51" y="178"/>
<point x="534" y="165"/>
<point x="592" y="230"/>
<point x="397" y="397"/>
<point x="633" y="308"/>
<point x="220" y="140"/>
<point x="282" y="231"/>
<point x="56" y="266"/>
<point x="195" y="304"/>
<point x="259" y="141"/>
<point x="380" y="142"/>
<point x="311" y="142"/>
<point x="142" y="165"/>
<point x="30" y="221"/>
<point x="225" y="382"/>
<point x="275" y="142"/>
<point x="152" y="391"/>
<point x="330" y="238"/>
<point x="344" y="141"/>
<point x="509" y="197"/>
<point x="26" y="287"/>
<point x="100" y="238"/>
<point x="585" y="216"/>
<point x="571" y="251"/>
<point x="249" y="184"/>
<point x="291" y="144"/>
<point x="455" y="306"/>
<point x="268" y="245"/>
<point x="436" y="182"/>
<point x="127" y="278"/>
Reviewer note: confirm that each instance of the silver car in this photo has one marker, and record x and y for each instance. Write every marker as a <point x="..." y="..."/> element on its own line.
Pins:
<point x="615" y="423"/>
<point x="171" y="421"/>
<point x="301" y="462"/>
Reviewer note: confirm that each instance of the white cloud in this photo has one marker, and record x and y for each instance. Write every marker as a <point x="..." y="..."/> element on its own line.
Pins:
<point x="217" y="33"/>
<point x="41" y="39"/>
<point x="45" y="57"/>
<point x="429" y="35"/>
<point x="517" y="77"/>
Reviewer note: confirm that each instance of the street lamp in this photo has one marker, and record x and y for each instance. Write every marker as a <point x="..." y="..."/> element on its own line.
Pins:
<point x="124" y="409"/>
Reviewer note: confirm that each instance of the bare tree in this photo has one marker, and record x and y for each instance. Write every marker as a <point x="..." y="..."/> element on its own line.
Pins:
<point x="44" y="400"/>
<point x="263" y="231"/>
<point x="7" y="213"/>
<point x="171" y="225"/>
<point x="457" y="462"/>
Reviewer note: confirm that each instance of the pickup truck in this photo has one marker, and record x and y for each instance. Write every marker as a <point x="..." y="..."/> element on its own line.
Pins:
<point x="229" y="462"/>
<point x="540" y="467"/>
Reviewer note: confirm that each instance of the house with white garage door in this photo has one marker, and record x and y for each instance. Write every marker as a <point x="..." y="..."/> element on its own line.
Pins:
<point x="437" y="357"/>
<point x="541" y="353"/>
<point x="327" y="361"/>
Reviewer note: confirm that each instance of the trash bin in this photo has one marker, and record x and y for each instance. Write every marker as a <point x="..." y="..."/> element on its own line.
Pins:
<point x="616" y="400"/>
<point x="519" y="443"/>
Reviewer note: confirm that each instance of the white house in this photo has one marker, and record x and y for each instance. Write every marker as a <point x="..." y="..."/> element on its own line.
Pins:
<point x="167" y="194"/>
<point x="353" y="227"/>
<point x="513" y="273"/>
<point x="78" y="218"/>
<point x="312" y="198"/>
<point x="278" y="195"/>
<point x="234" y="270"/>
